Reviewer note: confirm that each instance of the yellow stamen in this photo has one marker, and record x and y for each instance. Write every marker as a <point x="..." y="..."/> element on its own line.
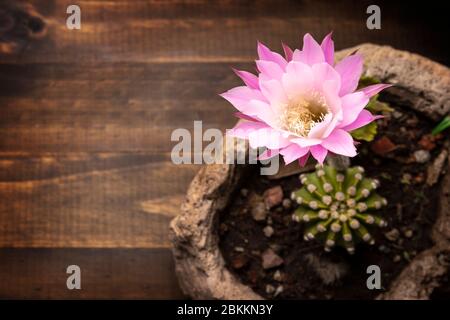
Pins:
<point x="301" y="114"/>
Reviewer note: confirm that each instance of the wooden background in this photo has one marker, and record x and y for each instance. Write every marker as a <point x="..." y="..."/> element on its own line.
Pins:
<point x="86" y="117"/>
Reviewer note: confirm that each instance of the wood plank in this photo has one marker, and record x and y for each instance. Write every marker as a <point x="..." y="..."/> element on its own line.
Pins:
<point x="111" y="203"/>
<point x="105" y="274"/>
<point x="45" y="109"/>
<point x="27" y="166"/>
<point x="174" y="31"/>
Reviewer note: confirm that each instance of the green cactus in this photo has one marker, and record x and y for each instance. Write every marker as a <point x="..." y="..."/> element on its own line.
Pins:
<point x="337" y="207"/>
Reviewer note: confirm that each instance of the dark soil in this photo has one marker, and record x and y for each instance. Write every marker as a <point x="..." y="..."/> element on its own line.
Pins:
<point x="412" y="206"/>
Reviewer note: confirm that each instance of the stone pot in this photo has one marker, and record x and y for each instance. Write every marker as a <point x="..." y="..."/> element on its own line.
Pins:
<point x="418" y="83"/>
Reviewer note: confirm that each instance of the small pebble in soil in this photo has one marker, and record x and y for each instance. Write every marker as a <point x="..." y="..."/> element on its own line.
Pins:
<point x="268" y="231"/>
<point x="244" y="192"/>
<point x="419" y="178"/>
<point x="422" y="156"/>
<point x="435" y="169"/>
<point x="239" y="261"/>
<point x="427" y="142"/>
<point x="287" y="203"/>
<point x="397" y="258"/>
<point x="408" y="233"/>
<point x="383" y="146"/>
<point x="278" y="290"/>
<point x="277" y="276"/>
<point x="239" y="249"/>
<point x="270" y="289"/>
<point x="412" y="121"/>
<point x="406" y="178"/>
<point x="384" y="249"/>
<point x="386" y="176"/>
<point x="397" y="114"/>
<point x="270" y="259"/>
<point x="259" y="212"/>
<point x="392" y="235"/>
<point x="273" y="196"/>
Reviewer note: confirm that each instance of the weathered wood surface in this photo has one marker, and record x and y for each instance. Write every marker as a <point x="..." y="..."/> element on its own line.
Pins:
<point x="86" y="117"/>
<point x="106" y="273"/>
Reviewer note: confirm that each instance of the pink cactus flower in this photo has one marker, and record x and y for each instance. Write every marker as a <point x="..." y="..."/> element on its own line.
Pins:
<point x="302" y="103"/>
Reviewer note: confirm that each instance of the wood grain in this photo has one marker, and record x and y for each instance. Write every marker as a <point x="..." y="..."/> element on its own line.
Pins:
<point x="55" y="107"/>
<point x="86" y="117"/>
<point x="105" y="274"/>
<point x="199" y="31"/>
<point x="104" y="207"/>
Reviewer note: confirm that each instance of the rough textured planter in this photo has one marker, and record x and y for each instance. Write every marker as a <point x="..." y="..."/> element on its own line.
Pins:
<point x="420" y="84"/>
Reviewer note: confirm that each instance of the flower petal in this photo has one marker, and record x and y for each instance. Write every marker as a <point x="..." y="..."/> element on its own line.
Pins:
<point x="242" y="129"/>
<point x="331" y="94"/>
<point x="268" y="153"/>
<point x="323" y="72"/>
<point x="328" y="49"/>
<point x="262" y="111"/>
<point x="302" y="161"/>
<point x="340" y="142"/>
<point x="240" y="98"/>
<point x="265" y="53"/>
<point x="350" y="69"/>
<point x="306" y="142"/>
<point x="322" y="129"/>
<point x="311" y="53"/>
<point x="372" y="90"/>
<point x="273" y="91"/>
<point x="319" y="153"/>
<point x="293" y="152"/>
<point x="352" y="104"/>
<point x="243" y="116"/>
<point x="249" y="79"/>
<point x="287" y="51"/>
<point x="243" y="93"/>
<point x="269" y="69"/>
<point x="364" y="118"/>
<point x="267" y="137"/>
<point x="297" y="79"/>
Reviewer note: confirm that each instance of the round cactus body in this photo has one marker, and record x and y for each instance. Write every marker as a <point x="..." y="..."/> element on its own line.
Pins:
<point x="338" y="208"/>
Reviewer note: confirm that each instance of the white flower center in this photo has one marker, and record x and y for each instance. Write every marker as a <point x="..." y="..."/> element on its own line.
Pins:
<point x="303" y="113"/>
